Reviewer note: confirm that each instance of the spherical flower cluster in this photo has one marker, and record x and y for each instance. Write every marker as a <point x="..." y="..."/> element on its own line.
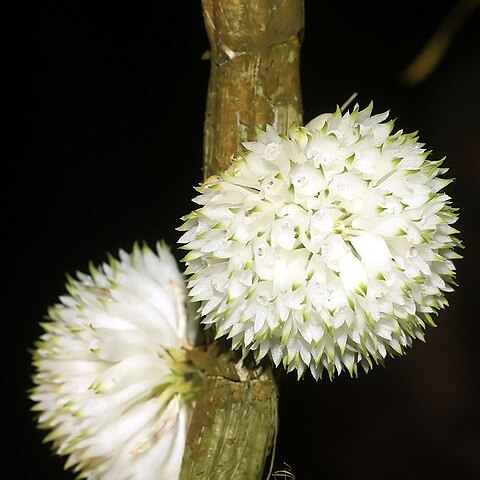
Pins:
<point x="327" y="248"/>
<point x="112" y="382"/>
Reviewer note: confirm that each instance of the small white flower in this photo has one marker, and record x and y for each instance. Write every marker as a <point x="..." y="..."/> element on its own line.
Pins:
<point x="326" y="248"/>
<point x="112" y="382"/>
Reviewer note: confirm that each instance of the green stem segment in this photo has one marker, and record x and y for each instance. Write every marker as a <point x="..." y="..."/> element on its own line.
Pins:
<point x="254" y="81"/>
<point x="231" y="430"/>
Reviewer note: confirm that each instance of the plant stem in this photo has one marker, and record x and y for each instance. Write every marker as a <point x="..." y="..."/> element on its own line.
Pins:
<point x="231" y="429"/>
<point x="254" y="76"/>
<point x="254" y="81"/>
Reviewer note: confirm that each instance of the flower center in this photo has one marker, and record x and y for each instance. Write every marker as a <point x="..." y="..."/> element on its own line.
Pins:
<point x="185" y="378"/>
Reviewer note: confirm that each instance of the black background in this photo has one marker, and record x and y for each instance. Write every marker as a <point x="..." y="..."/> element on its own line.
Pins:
<point x="107" y="137"/>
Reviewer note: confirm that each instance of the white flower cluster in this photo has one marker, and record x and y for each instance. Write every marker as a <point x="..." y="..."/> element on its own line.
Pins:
<point x="112" y="383"/>
<point x="326" y="248"/>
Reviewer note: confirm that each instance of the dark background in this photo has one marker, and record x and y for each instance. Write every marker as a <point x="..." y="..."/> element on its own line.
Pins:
<point x="109" y="105"/>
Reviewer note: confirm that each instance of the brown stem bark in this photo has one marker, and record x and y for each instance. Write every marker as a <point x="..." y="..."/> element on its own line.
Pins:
<point x="254" y="76"/>
<point x="254" y="81"/>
